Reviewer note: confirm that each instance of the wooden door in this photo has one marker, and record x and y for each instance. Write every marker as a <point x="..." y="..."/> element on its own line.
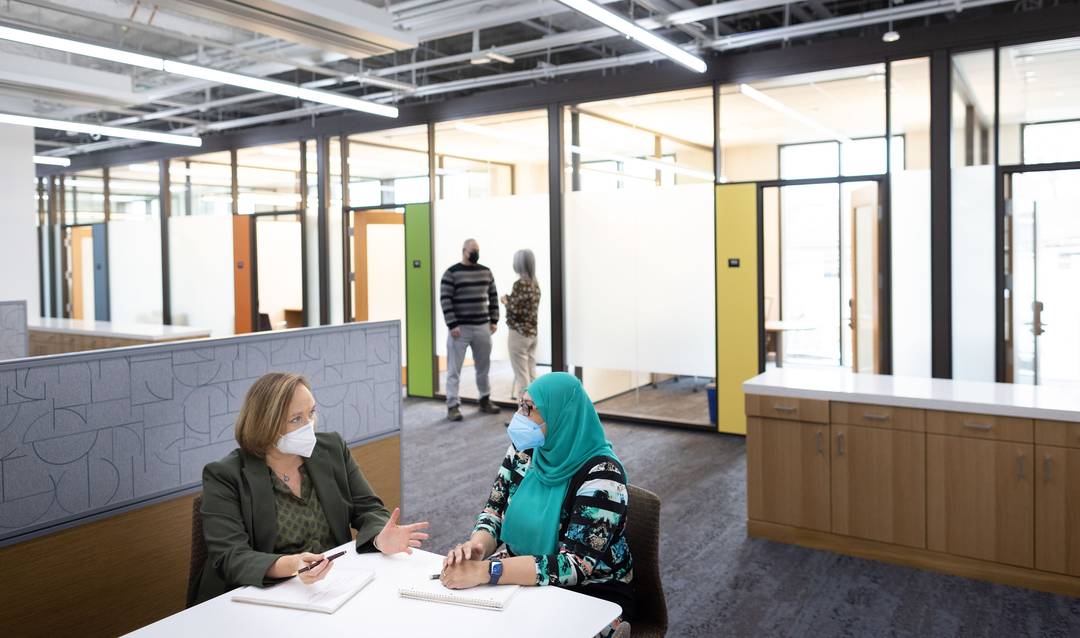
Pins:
<point x="980" y="499"/>
<point x="82" y="282"/>
<point x="879" y="484"/>
<point x="787" y="472"/>
<point x="1057" y="510"/>
<point x="866" y="289"/>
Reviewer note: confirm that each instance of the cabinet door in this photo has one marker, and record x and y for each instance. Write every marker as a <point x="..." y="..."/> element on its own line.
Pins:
<point x="879" y="484"/>
<point x="1057" y="510"/>
<point x="980" y="499"/>
<point x="787" y="472"/>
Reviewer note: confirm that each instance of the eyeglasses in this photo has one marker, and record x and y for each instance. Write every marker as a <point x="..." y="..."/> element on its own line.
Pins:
<point x="525" y="407"/>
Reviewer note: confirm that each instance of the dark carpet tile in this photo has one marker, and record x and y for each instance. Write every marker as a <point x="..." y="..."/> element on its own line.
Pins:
<point x="718" y="582"/>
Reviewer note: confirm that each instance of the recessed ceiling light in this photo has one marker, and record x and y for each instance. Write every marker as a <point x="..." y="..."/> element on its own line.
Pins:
<point x="890" y="36"/>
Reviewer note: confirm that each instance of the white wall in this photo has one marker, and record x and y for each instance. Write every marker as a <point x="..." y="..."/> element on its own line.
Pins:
<point x="973" y="273"/>
<point x="135" y="271"/>
<point x="280" y="267"/>
<point x="911" y="273"/>
<point x="18" y="230"/>
<point x="386" y="275"/>
<point x="201" y="273"/>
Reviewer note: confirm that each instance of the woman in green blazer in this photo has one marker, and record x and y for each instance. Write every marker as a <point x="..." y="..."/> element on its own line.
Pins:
<point x="286" y="496"/>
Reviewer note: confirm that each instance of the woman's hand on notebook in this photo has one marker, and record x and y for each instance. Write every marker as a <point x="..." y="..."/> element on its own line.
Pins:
<point x="465" y="574"/>
<point x="469" y="550"/>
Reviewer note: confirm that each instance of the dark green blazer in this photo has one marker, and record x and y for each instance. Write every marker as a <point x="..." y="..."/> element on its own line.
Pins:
<point x="240" y="517"/>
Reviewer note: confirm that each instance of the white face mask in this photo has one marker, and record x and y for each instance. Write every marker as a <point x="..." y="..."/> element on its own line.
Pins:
<point x="300" y="441"/>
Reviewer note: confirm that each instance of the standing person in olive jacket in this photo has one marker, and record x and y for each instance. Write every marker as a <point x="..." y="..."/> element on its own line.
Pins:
<point x="286" y="496"/>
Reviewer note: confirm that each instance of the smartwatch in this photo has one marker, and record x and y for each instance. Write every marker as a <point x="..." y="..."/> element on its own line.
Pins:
<point x="494" y="571"/>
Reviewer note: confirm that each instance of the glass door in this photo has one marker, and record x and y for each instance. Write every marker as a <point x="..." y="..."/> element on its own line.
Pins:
<point x="1045" y="247"/>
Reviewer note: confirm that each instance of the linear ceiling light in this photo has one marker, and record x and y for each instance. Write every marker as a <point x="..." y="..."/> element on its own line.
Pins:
<point x="55" y="161"/>
<point x="775" y="105"/>
<point x="629" y="29"/>
<point x="94" y="129"/>
<point x="194" y="71"/>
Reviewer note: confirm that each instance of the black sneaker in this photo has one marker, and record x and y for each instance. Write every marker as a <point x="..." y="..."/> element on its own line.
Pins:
<point x="487" y="406"/>
<point x="453" y="414"/>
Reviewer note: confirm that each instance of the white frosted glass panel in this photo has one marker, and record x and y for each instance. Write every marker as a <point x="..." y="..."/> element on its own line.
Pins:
<point x="135" y="271"/>
<point x="333" y="238"/>
<point x="911" y="273"/>
<point x="280" y="278"/>
<point x="386" y="275"/>
<point x="640" y="280"/>
<point x="312" y="220"/>
<point x="201" y="273"/>
<point x="502" y="226"/>
<point x="973" y="273"/>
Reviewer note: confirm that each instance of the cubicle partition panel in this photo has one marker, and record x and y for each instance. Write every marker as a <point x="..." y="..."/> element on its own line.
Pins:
<point x="14" y="337"/>
<point x="101" y="454"/>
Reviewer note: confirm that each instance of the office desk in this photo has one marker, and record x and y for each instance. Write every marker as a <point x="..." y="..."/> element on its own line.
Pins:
<point x="777" y="328"/>
<point x="377" y="610"/>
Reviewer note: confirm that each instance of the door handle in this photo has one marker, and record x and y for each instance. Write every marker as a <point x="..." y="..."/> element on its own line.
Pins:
<point x="976" y="426"/>
<point x="819" y="443"/>
<point x="1021" y="465"/>
<point x="1047" y="468"/>
<point x="840" y="444"/>
<point x="880" y="417"/>
<point x="782" y="408"/>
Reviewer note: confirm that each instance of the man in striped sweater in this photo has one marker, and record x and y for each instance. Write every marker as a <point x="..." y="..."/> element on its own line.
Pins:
<point x="470" y="306"/>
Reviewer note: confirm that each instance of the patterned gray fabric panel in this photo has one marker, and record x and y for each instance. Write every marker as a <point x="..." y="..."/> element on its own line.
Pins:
<point x="85" y="434"/>
<point x="14" y="338"/>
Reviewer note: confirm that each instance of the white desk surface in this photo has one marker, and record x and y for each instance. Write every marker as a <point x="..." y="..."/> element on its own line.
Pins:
<point x="841" y="384"/>
<point x="377" y="610"/>
<point x="107" y="329"/>
<point x="790" y="324"/>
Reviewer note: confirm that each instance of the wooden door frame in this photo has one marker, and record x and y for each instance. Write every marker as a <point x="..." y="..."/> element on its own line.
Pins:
<point x="356" y="305"/>
<point x="246" y="284"/>
<point x="78" y="305"/>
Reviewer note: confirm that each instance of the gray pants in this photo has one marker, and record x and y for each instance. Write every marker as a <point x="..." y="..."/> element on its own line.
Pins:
<point x="479" y="339"/>
<point x="523" y="359"/>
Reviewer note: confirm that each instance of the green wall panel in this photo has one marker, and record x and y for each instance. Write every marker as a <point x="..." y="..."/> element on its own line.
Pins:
<point x="420" y="332"/>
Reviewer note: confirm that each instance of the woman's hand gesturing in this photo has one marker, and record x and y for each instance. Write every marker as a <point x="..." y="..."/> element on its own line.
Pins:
<point x="396" y="538"/>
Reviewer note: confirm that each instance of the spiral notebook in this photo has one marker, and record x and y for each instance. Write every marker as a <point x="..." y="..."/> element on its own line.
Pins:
<point x="324" y="596"/>
<point x="493" y="597"/>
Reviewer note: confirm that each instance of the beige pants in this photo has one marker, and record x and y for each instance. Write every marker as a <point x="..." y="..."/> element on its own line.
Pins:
<point x="523" y="359"/>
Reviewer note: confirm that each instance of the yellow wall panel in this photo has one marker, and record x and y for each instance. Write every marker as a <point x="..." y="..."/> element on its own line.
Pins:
<point x="736" y="301"/>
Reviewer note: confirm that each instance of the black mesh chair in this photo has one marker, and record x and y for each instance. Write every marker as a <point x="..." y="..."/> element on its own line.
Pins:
<point x="643" y="537"/>
<point x="198" y="543"/>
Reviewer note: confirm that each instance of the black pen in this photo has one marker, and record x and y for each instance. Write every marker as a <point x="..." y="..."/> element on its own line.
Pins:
<point x="304" y="569"/>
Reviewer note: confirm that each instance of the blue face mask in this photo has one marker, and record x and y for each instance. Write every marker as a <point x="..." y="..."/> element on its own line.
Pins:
<point x="524" y="434"/>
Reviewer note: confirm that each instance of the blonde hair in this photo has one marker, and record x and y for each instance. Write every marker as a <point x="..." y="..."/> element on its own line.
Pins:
<point x="266" y="405"/>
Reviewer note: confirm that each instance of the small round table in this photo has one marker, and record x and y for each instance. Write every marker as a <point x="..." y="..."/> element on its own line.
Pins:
<point x="778" y="328"/>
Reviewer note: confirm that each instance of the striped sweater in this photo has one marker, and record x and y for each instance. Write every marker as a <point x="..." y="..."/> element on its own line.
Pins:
<point x="468" y="296"/>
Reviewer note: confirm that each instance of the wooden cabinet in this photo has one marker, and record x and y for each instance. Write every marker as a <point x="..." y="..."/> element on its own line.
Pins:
<point x="880" y="416"/>
<point x="787" y="466"/>
<point x="787" y="408"/>
<point x="879" y="484"/>
<point x="980" y="499"/>
<point x="1057" y="509"/>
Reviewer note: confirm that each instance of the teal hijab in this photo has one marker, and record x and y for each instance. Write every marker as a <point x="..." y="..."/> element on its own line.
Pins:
<point x="574" y="435"/>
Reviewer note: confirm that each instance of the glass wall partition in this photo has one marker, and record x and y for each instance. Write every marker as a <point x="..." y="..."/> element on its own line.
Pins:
<point x="810" y="138"/>
<point x="640" y="257"/>
<point x="491" y="186"/>
<point x="1040" y="133"/>
<point x="135" y="289"/>
<point x="974" y="296"/>
<point x="201" y="242"/>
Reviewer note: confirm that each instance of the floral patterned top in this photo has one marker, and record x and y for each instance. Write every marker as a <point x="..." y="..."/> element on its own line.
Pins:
<point x="593" y="553"/>
<point x="522" y="306"/>
<point x="301" y="522"/>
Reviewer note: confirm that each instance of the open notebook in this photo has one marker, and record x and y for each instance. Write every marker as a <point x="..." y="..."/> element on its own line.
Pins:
<point x="493" y="597"/>
<point x="324" y="596"/>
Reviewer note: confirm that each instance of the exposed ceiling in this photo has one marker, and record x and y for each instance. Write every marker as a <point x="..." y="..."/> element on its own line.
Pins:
<point x="426" y="48"/>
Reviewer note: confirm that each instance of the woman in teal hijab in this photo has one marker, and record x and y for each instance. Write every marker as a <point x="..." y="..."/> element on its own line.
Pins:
<point x="558" y="504"/>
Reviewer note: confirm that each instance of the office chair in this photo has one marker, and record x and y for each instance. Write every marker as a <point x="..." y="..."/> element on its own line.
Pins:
<point x="622" y="631"/>
<point x="198" y="543"/>
<point x="643" y="538"/>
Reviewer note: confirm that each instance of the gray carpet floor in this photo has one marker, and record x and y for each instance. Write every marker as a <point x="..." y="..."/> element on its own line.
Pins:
<point x="717" y="581"/>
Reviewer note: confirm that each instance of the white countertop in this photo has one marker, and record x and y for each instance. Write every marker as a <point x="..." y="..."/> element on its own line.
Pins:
<point x="841" y="384"/>
<point x="107" y="329"/>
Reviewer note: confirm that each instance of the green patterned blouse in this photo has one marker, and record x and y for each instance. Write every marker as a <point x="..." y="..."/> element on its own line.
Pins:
<point x="301" y="523"/>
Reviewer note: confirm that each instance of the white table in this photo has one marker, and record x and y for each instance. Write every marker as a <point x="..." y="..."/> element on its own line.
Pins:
<point x="377" y="610"/>
<point x="778" y="328"/>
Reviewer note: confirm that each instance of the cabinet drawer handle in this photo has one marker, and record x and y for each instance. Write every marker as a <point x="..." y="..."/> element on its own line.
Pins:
<point x="976" y="426"/>
<point x="840" y="444"/>
<point x="782" y="408"/>
<point x="819" y="450"/>
<point x="881" y="417"/>
<point x="1047" y="468"/>
<point x="1021" y="465"/>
